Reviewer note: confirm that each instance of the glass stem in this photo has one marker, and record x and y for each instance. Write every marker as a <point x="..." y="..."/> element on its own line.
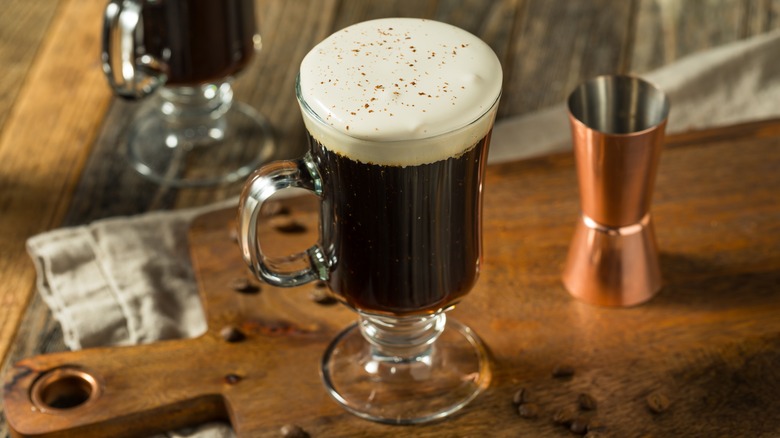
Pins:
<point x="194" y="116"/>
<point x="206" y="101"/>
<point x="401" y="338"/>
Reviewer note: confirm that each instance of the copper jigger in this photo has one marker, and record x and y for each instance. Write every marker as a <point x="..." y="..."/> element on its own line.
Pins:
<point x="617" y="125"/>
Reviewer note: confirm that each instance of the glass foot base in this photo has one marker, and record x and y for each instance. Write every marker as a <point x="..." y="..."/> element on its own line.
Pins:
<point x="423" y="388"/>
<point x="214" y="151"/>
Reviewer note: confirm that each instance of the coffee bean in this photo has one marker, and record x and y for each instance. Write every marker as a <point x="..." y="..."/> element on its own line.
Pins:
<point x="564" y="417"/>
<point x="528" y="410"/>
<point x="232" y="379"/>
<point x="244" y="285"/>
<point x="586" y="402"/>
<point x="563" y="371"/>
<point x="322" y="297"/>
<point x="657" y="402"/>
<point x="579" y="425"/>
<point x="232" y="334"/>
<point x="521" y="396"/>
<point x="293" y="431"/>
<point x="286" y="224"/>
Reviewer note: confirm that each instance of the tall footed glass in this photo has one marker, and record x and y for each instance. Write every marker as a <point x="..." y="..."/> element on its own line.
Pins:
<point x="397" y="153"/>
<point x="181" y="56"/>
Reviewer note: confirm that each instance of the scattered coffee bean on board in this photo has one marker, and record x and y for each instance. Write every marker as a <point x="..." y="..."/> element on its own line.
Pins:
<point x="286" y="224"/>
<point x="579" y="425"/>
<point x="528" y="410"/>
<point x="244" y="285"/>
<point x="231" y="334"/>
<point x="322" y="297"/>
<point x="232" y="379"/>
<point x="586" y="402"/>
<point x="563" y="371"/>
<point x="293" y="431"/>
<point x="521" y="396"/>
<point x="657" y="402"/>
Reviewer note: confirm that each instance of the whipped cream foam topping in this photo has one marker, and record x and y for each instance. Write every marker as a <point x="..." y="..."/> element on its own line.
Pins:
<point x="399" y="91"/>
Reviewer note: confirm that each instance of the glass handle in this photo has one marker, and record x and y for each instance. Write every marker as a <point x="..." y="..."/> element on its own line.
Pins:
<point x="260" y="186"/>
<point x="130" y="74"/>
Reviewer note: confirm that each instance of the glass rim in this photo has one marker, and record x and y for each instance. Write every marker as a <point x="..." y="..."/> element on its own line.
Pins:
<point x="656" y="93"/>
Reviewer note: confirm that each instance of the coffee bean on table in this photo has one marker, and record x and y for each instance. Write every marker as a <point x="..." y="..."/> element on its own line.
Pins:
<point x="293" y="431"/>
<point x="563" y="371"/>
<point x="232" y="379"/>
<point x="528" y="410"/>
<point x="579" y="425"/>
<point x="586" y="402"/>
<point x="286" y="224"/>
<point x="521" y="396"/>
<point x="657" y="402"/>
<point x="321" y="295"/>
<point x="244" y="285"/>
<point x="231" y="334"/>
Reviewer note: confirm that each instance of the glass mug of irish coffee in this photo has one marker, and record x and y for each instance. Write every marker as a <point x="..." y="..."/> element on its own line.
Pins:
<point x="190" y="132"/>
<point x="399" y="113"/>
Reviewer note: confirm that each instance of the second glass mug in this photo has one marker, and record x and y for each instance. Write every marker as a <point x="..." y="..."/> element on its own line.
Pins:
<point x="183" y="54"/>
<point x="400" y="219"/>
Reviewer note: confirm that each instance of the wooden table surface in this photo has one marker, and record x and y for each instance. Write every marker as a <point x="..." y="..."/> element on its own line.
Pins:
<point x="61" y="128"/>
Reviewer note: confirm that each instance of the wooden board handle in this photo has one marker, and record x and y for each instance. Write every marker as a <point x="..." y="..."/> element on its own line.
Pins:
<point x="116" y="392"/>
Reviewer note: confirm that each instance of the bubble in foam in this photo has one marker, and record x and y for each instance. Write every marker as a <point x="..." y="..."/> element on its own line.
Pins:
<point x="399" y="80"/>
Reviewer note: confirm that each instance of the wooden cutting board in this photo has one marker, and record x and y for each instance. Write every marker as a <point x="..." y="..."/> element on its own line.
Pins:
<point x="704" y="351"/>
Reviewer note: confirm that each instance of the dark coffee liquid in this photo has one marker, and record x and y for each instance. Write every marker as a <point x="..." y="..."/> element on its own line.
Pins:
<point x="403" y="240"/>
<point x="201" y="41"/>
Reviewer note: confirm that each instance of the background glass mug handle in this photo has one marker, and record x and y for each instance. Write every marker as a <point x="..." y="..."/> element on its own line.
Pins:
<point x="130" y="74"/>
<point x="260" y="186"/>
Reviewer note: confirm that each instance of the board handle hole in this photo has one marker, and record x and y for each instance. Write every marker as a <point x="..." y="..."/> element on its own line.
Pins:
<point x="65" y="388"/>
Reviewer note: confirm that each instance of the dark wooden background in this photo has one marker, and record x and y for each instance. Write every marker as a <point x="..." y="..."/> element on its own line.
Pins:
<point x="546" y="48"/>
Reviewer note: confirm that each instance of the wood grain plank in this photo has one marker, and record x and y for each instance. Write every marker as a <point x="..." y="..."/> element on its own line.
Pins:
<point x="559" y="44"/>
<point x="761" y="16"/>
<point x="23" y="25"/>
<point x="668" y="30"/>
<point x="43" y="147"/>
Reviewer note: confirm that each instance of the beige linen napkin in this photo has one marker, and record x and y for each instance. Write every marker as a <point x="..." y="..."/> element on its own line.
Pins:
<point x="129" y="280"/>
<point x="124" y="281"/>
